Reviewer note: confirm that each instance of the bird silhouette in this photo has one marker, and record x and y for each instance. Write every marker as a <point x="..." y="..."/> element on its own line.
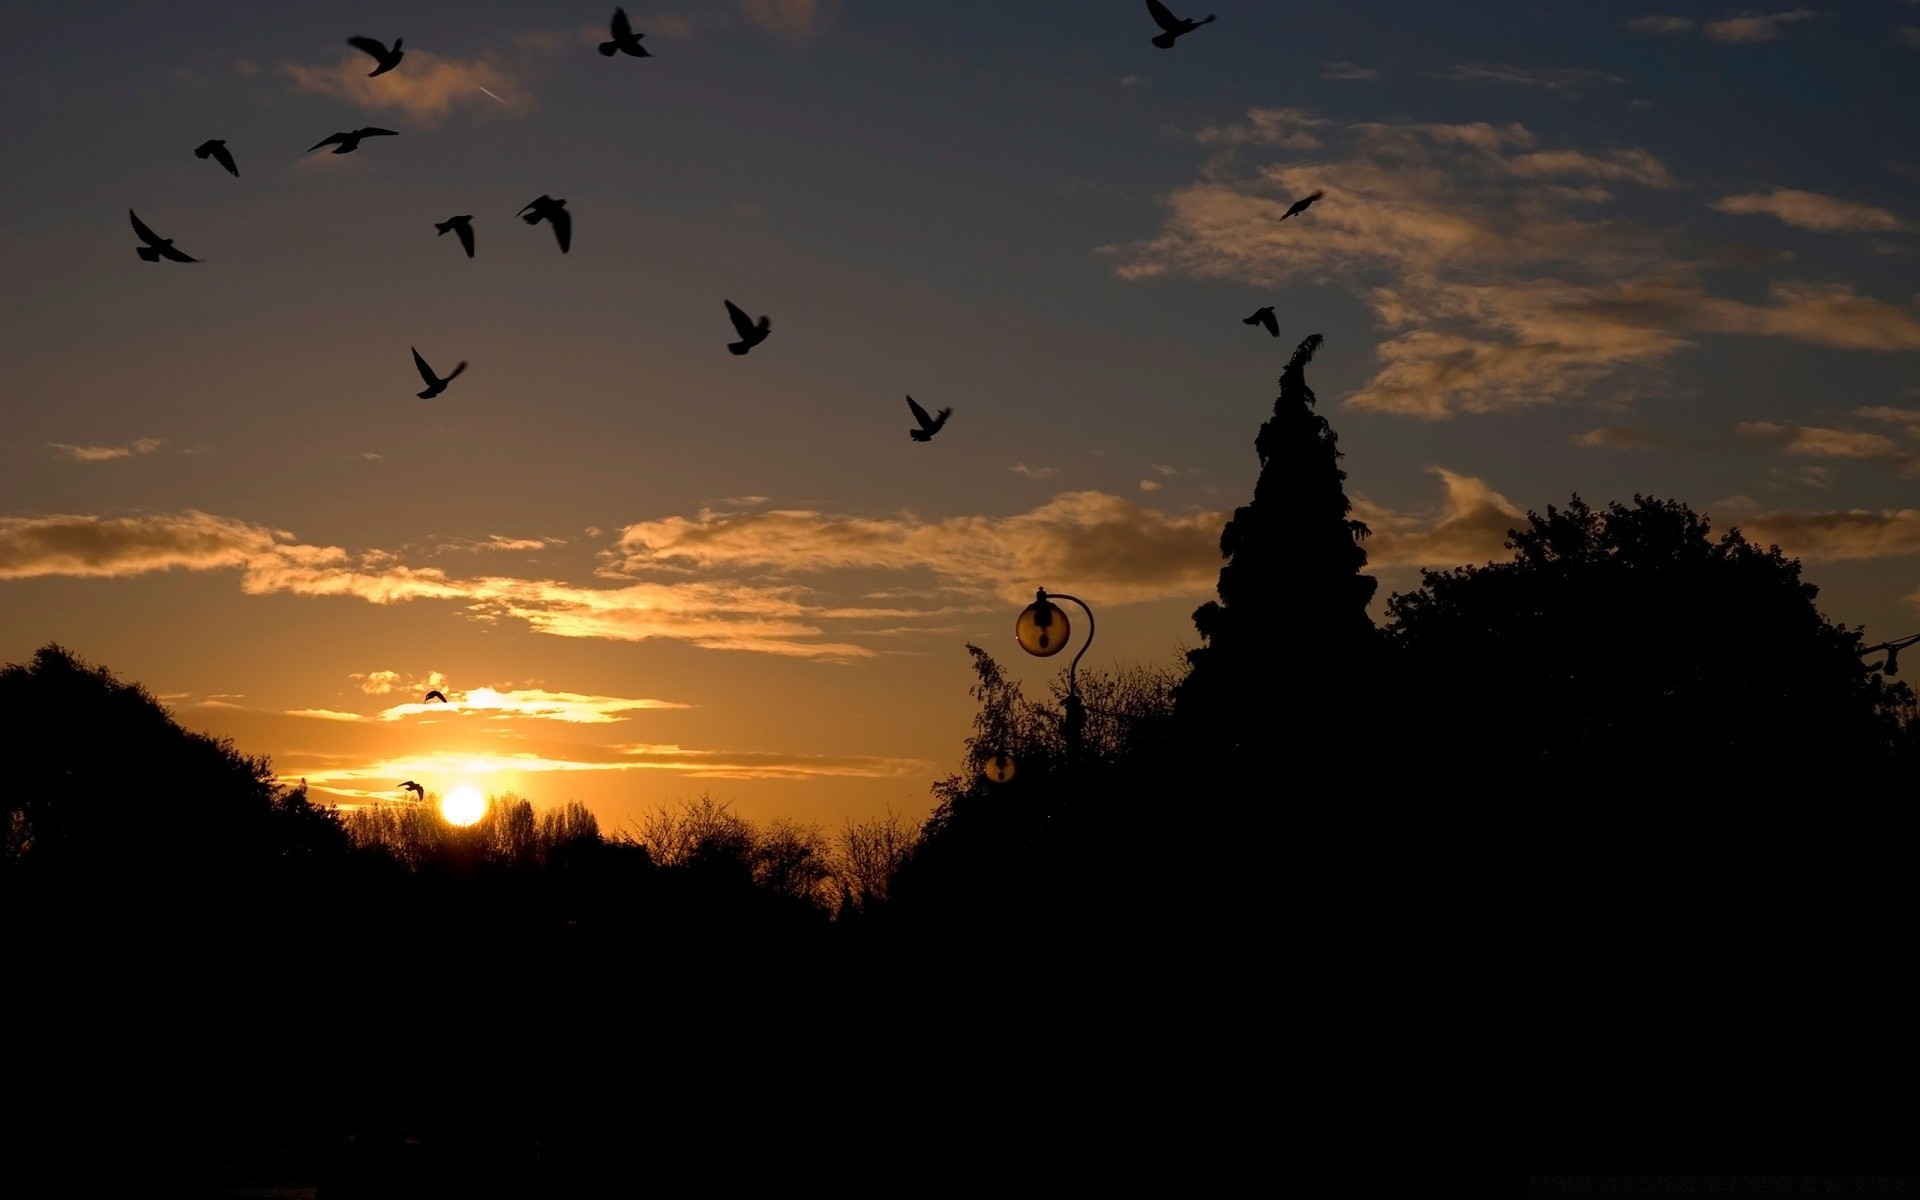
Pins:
<point x="1264" y="316"/>
<point x="344" y="143"/>
<point x="546" y="208"/>
<point x="751" y="335"/>
<point x="436" y="693"/>
<point x="625" y="40"/>
<point x="461" y="227"/>
<point x="1301" y="205"/>
<point x="419" y="793"/>
<point x="156" y="247"/>
<point x="216" y="149"/>
<point x="929" y="425"/>
<point x="1174" y="26"/>
<point x="435" y="385"/>
<point x="388" y="59"/>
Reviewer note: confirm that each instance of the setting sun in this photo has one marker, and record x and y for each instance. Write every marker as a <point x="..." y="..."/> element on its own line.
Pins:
<point x="463" y="805"/>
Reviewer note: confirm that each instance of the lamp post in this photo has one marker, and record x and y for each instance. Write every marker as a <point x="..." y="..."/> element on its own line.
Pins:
<point x="1043" y="631"/>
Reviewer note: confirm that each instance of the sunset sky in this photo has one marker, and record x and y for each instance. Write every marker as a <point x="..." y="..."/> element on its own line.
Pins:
<point x="1595" y="248"/>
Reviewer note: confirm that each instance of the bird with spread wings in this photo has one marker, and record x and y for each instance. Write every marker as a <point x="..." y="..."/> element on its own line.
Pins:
<point x="751" y="334"/>
<point x="156" y="247"/>
<point x="435" y="385"/>
<point x="929" y="423"/>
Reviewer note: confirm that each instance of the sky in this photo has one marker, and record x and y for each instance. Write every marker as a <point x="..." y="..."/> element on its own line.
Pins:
<point x="1590" y="249"/>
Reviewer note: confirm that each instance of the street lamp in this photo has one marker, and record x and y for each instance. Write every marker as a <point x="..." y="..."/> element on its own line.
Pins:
<point x="1043" y="631"/>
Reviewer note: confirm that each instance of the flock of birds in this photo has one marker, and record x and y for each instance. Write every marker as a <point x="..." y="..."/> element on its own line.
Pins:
<point x="624" y="40"/>
<point x="749" y="331"/>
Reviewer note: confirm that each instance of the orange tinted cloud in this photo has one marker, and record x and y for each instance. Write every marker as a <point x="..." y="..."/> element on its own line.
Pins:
<point x="1487" y="257"/>
<point x="1470" y="525"/>
<point x="1810" y="210"/>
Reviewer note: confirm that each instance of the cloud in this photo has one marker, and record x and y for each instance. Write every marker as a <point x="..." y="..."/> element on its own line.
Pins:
<point x="325" y="714"/>
<point x="533" y="704"/>
<point x="751" y="597"/>
<point x="426" y="87"/>
<point x="1565" y="80"/>
<point x="376" y="683"/>
<point x="1034" y="472"/>
<point x="795" y="19"/>
<point x="373" y="783"/>
<point x="1625" y="437"/>
<point x="1150" y="485"/>
<point x="1816" y="441"/>
<point x="1346" y="70"/>
<point x="1659" y="24"/>
<point x="1111" y="546"/>
<point x="1837" y="536"/>
<point x="497" y="542"/>
<point x="1749" y="29"/>
<point x="1810" y="210"/>
<point x="108" y="453"/>
<point x="1470" y="525"/>
<point x="32" y="547"/>
<point x="1496" y="284"/>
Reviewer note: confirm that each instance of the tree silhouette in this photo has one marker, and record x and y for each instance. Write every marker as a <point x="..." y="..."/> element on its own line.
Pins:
<point x="1288" y="646"/>
<point x="1628" y="648"/>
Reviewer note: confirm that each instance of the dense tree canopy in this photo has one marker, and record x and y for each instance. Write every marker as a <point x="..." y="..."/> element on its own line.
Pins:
<point x="1629" y="648"/>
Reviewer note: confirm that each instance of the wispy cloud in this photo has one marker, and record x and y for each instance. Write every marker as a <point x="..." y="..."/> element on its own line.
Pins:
<point x="89" y="454"/>
<point x="1347" y="70"/>
<point x="1747" y="29"/>
<point x="1810" y="210"/>
<point x="1028" y="472"/>
<point x="495" y="542"/>
<point x="1661" y="24"/>
<point x="1565" y="80"/>
<point x="427" y="87"/>
<point x="794" y="19"/>
<point x="1488" y="257"/>
<point x="1820" y="441"/>
<point x="761" y="582"/>
<point x="1837" y="536"/>
<point x="375" y="782"/>
<point x="1116" y="548"/>
<point x="530" y="703"/>
<point x="1625" y="437"/>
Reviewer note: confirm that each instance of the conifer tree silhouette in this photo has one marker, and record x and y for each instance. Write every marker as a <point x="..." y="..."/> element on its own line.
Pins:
<point x="1289" y="640"/>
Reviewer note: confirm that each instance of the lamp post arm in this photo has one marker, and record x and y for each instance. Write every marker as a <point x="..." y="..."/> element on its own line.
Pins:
<point x="1073" y="687"/>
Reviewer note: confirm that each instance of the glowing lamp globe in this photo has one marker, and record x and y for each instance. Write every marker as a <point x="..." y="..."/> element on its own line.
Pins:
<point x="998" y="769"/>
<point x="1042" y="629"/>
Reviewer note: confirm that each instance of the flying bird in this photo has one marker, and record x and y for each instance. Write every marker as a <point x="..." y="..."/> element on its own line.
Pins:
<point x="546" y="208"/>
<point x="1174" y="26"/>
<point x="343" y="143"/>
<point x="388" y="59"/>
<point x="436" y="693"/>
<point x="1264" y="316"/>
<point x="1301" y="205"/>
<point x="419" y="793"/>
<point x="625" y="40"/>
<point x="751" y="335"/>
<point x="435" y="385"/>
<point x="461" y="227"/>
<point x="156" y="247"/>
<point x="929" y="425"/>
<point x="216" y="149"/>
